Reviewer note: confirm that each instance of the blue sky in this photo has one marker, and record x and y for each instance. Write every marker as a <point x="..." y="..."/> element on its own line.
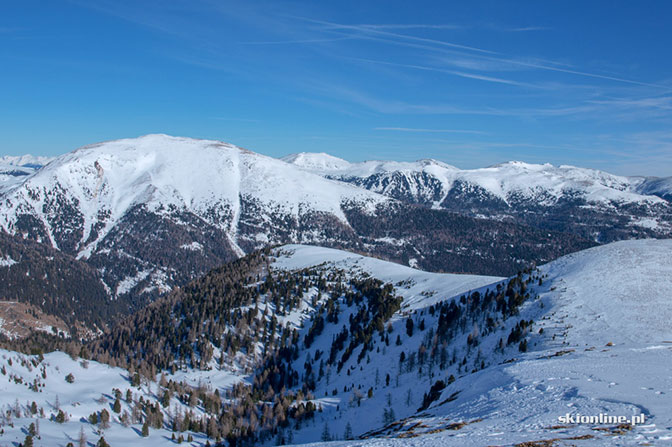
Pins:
<point x="469" y="83"/>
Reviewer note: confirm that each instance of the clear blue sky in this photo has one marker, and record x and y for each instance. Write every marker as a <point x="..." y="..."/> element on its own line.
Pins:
<point x="471" y="83"/>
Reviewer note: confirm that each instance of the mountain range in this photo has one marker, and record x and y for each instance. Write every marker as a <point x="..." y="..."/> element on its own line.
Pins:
<point x="593" y="204"/>
<point x="151" y="213"/>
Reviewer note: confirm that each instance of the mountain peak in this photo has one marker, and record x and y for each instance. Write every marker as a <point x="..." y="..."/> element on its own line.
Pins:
<point x="316" y="160"/>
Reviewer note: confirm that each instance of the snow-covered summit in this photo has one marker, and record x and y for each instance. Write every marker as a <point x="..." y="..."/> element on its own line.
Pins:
<point x="616" y="292"/>
<point x="320" y="162"/>
<point x="129" y="205"/>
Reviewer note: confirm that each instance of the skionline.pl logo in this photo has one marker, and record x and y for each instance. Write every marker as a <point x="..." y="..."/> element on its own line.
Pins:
<point x="601" y="419"/>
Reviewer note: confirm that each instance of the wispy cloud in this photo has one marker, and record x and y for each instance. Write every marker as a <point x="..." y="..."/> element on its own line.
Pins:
<point x="521" y="29"/>
<point x="447" y="71"/>
<point x="363" y="29"/>
<point x="661" y="103"/>
<point x="473" y="51"/>
<point x="299" y="41"/>
<point x="529" y="28"/>
<point x="244" y="120"/>
<point x="412" y="26"/>
<point x="412" y="129"/>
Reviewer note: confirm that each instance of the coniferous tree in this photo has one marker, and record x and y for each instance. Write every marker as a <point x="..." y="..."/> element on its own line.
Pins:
<point x="348" y="432"/>
<point x="326" y="436"/>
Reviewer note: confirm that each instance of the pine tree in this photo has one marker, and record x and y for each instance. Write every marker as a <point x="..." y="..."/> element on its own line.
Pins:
<point x="117" y="406"/>
<point x="326" y="436"/>
<point x="348" y="432"/>
<point x="145" y="429"/>
<point x="104" y="419"/>
<point x="28" y="442"/>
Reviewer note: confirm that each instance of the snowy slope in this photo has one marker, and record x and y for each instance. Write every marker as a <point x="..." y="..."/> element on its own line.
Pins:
<point x="418" y="288"/>
<point x="605" y="348"/>
<point x="27" y="160"/>
<point x="12" y="173"/>
<point x="15" y="169"/>
<point x="661" y="187"/>
<point x="27" y="379"/>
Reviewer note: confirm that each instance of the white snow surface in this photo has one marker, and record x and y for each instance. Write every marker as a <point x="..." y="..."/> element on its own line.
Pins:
<point x="653" y="185"/>
<point x="7" y="261"/>
<point x="542" y="182"/>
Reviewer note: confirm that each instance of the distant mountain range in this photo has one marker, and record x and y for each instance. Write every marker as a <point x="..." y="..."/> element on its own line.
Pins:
<point x="593" y="204"/>
<point x="14" y="169"/>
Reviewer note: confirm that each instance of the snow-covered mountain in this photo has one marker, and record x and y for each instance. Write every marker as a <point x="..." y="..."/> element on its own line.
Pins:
<point x="156" y="211"/>
<point x="463" y="360"/>
<point x="595" y="204"/>
<point x="661" y="187"/>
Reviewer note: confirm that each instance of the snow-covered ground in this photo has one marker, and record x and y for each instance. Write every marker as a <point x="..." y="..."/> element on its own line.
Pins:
<point x="418" y="288"/>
